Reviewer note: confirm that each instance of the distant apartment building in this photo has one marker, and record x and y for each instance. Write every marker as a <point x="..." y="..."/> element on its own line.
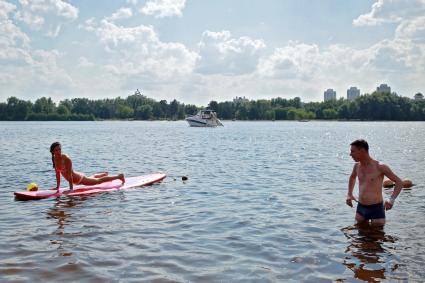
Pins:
<point x="419" y="96"/>
<point x="383" y="88"/>
<point x="352" y="93"/>
<point x="329" y="94"/>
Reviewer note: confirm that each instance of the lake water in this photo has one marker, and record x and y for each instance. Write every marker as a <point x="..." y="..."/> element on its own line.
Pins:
<point x="264" y="202"/>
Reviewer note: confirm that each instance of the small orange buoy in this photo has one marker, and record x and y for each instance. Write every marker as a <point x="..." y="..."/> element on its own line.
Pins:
<point x="407" y="183"/>
<point x="388" y="184"/>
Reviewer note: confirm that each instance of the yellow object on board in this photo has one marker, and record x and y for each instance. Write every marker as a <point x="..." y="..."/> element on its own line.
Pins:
<point x="32" y="187"/>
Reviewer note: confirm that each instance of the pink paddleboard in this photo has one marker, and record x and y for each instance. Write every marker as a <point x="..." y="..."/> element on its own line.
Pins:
<point x="114" y="185"/>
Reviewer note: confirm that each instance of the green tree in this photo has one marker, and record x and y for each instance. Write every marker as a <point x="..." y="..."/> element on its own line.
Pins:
<point x="63" y="110"/>
<point x="174" y="108"/>
<point x="124" y="111"/>
<point x="242" y="112"/>
<point x="291" y="113"/>
<point x="180" y="112"/>
<point x="17" y="109"/>
<point x="44" y="105"/>
<point x="190" y="109"/>
<point x="295" y="102"/>
<point x="144" y="112"/>
<point x="165" y="108"/>
<point x="80" y="106"/>
<point x="270" y="115"/>
<point x="213" y="105"/>
<point x="280" y="113"/>
<point x="3" y="111"/>
<point x="330" y="113"/>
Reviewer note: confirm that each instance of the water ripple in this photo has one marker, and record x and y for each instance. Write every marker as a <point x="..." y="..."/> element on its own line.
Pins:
<point x="264" y="203"/>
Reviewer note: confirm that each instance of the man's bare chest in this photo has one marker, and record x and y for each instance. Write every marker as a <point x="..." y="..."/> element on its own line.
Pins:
<point x="368" y="174"/>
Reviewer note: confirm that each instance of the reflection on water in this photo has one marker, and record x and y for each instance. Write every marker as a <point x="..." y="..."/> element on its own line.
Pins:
<point x="368" y="253"/>
<point x="62" y="213"/>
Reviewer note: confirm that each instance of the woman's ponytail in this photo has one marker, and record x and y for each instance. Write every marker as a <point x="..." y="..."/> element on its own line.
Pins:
<point x="53" y="160"/>
<point x="52" y="148"/>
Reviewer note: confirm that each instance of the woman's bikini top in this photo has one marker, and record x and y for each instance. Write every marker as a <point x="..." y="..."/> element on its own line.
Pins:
<point x="61" y="168"/>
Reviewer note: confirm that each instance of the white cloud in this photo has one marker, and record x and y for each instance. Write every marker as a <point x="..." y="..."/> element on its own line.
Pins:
<point x="413" y="29"/>
<point x="23" y="69"/>
<point x="306" y="69"/>
<point x="304" y="66"/>
<point x="46" y="15"/>
<point x="294" y="60"/>
<point x="390" y="11"/>
<point x="10" y="34"/>
<point x="394" y="60"/>
<point x="51" y="7"/>
<point x="38" y="73"/>
<point x="5" y="9"/>
<point x="137" y="51"/>
<point x="163" y="8"/>
<point x="45" y="66"/>
<point x="36" y="22"/>
<point x="121" y="13"/>
<point x="85" y="63"/>
<point x="220" y="53"/>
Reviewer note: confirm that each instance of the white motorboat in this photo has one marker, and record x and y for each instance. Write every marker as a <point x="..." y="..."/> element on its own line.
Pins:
<point x="204" y="118"/>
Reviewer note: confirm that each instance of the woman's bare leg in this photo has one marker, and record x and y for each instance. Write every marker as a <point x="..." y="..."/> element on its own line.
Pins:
<point x="99" y="175"/>
<point x="88" y="181"/>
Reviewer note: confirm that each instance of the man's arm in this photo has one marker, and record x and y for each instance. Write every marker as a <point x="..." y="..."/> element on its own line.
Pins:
<point x="351" y="184"/>
<point x="397" y="188"/>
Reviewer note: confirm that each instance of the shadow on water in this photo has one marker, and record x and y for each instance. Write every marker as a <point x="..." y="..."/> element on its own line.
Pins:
<point x="369" y="254"/>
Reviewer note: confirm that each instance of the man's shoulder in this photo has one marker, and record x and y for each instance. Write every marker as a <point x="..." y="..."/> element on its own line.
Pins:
<point x="381" y="165"/>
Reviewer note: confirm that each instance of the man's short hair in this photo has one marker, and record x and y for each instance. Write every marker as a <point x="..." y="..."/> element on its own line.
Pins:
<point x="361" y="143"/>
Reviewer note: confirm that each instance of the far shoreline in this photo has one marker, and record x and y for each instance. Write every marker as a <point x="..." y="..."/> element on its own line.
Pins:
<point x="226" y="121"/>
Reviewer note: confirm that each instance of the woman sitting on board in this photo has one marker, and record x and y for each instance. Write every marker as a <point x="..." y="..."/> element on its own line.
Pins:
<point x="63" y="165"/>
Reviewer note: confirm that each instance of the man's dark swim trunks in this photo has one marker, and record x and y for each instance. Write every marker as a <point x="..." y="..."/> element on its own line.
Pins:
<point x="372" y="211"/>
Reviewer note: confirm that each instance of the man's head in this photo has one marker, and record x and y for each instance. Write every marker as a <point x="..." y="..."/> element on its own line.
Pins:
<point x="359" y="149"/>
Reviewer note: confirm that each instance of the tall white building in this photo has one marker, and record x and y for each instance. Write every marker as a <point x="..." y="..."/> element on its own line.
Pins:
<point x="352" y="93"/>
<point x="383" y="88"/>
<point x="329" y="94"/>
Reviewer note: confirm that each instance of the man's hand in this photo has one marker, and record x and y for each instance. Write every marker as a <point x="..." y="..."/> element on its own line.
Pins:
<point x="349" y="200"/>
<point x="388" y="205"/>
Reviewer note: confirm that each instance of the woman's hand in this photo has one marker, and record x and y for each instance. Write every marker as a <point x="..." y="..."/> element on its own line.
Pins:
<point x="58" y="180"/>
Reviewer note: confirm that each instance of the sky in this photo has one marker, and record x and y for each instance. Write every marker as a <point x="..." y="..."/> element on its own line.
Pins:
<point x="196" y="51"/>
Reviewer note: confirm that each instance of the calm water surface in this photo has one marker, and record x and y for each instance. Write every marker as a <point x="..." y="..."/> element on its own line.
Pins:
<point x="265" y="202"/>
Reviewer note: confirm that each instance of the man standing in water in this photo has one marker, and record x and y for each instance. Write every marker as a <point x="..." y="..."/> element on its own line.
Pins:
<point x="371" y="175"/>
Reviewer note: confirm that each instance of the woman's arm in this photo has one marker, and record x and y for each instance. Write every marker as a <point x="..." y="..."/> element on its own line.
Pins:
<point x="58" y="179"/>
<point x="68" y="169"/>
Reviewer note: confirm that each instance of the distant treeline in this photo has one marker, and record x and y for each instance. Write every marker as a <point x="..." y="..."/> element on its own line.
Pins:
<point x="375" y="106"/>
<point x="136" y="106"/>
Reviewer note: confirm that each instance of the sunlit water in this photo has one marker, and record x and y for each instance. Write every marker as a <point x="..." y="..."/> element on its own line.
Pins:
<point x="265" y="202"/>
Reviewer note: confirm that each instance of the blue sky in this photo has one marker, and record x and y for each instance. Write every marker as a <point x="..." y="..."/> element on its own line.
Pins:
<point x="198" y="51"/>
